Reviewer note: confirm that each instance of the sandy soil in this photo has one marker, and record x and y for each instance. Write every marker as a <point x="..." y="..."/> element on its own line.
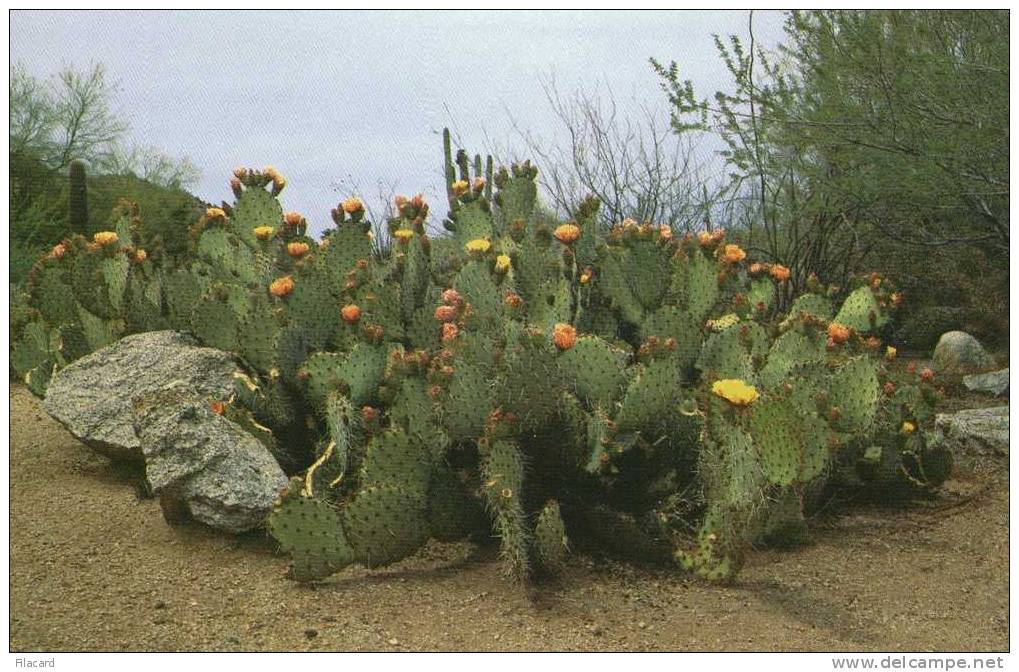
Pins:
<point x="94" y="567"/>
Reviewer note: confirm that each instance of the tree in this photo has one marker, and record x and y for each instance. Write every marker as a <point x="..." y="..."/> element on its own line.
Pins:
<point x="151" y="163"/>
<point x="894" y="120"/>
<point x="65" y="119"/>
<point x="634" y="164"/>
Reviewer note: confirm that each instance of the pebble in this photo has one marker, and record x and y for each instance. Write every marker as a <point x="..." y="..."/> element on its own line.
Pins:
<point x="642" y="625"/>
<point x="394" y="641"/>
<point x="311" y="633"/>
<point x="160" y="604"/>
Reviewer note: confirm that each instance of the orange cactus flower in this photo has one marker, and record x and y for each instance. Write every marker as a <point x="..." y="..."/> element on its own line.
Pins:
<point x="449" y="332"/>
<point x="838" y="333"/>
<point x="927" y="375"/>
<point x="780" y="273"/>
<point x="445" y="313"/>
<point x="140" y="256"/>
<point x="514" y="300"/>
<point x="217" y="407"/>
<point x="297" y="249"/>
<point x="351" y="313"/>
<point x="58" y="252"/>
<point x="665" y="232"/>
<point x="104" y="238"/>
<point x="369" y="414"/>
<point x="281" y="287"/>
<point x="240" y="172"/>
<point x="564" y="336"/>
<point x="734" y="254"/>
<point x="293" y="219"/>
<point x="452" y="297"/>
<point x="567" y="234"/>
<point x="353" y="205"/>
<point x="479" y="183"/>
<point x="704" y="239"/>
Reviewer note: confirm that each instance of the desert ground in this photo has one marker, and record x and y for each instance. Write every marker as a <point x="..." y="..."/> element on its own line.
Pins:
<point x="95" y="568"/>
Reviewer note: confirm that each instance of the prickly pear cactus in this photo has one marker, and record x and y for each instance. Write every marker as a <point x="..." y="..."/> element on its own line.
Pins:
<point x="630" y="392"/>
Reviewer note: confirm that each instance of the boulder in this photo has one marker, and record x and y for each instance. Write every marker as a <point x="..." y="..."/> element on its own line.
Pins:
<point x="959" y="353"/>
<point x="974" y="434"/>
<point x="202" y="465"/>
<point x="93" y="396"/>
<point x="995" y="382"/>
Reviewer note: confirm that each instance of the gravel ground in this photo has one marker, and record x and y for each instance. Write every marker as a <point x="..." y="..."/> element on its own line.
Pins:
<point x="95" y="568"/>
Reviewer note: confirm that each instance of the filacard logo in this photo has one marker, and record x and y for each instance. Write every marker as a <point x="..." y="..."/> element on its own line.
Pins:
<point x="35" y="662"/>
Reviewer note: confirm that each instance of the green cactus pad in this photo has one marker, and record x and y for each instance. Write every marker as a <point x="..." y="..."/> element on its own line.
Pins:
<point x="853" y="388"/>
<point x="397" y="458"/>
<point x="790" y="350"/>
<point x="502" y="473"/>
<point x="651" y="396"/>
<point x="793" y="446"/>
<point x="550" y="542"/>
<point x="385" y="524"/>
<point x="725" y="356"/>
<point x="593" y="369"/>
<point x="254" y="208"/>
<point x="468" y="401"/>
<point x="309" y="529"/>
<point x="860" y="312"/>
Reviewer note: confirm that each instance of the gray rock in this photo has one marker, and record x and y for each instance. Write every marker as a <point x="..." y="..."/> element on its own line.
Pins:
<point x="92" y="397"/>
<point x="974" y="434"/>
<point x="202" y="465"/>
<point x="995" y="382"/>
<point x="958" y="353"/>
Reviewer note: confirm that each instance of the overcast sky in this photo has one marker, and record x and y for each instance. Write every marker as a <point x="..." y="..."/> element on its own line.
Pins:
<point x="336" y="99"/>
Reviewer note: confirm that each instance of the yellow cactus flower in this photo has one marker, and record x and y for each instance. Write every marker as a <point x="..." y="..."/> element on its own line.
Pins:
<point x="734" y="254"/>
<point x="502" y="264"/>
<point x="215" y="213"/>
<point x="104" y="238"/>
<point x="403" y="235"/>
<point x="890" y="353"/>
<point x="735" y="391"/>
<point x="460" y="188"/>
<point x="567" y="234"/>
<point x="353" y="205"/>
<point x="908" y="427"/>
<point x="263" y="232"/>
<point x="481" y="245"/>
<point x="140" y="256"/>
